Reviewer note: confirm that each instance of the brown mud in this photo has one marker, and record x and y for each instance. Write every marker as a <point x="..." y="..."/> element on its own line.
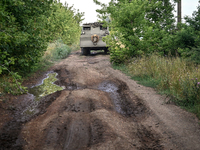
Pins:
<point x="99" y="109"/>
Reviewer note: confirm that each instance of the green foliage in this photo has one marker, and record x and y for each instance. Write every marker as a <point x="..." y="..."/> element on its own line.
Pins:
<point x="55" y="51"/>
<point x="185" y="38"/>
<point x="138" y="25"/>
<point x="141" y="28"/>
<point x="75" y="46"/>
<point x="175" y="75"/>
<point x="179" y="42"/>
<point x="190" y="92"/>
<point x="194" y="21"/>
<point x="192" y="55"/>
<point x="61" y="50"/>
<point x="26" y="28"/>
<point x="64" y="23"/>
<point x="11" y="84"/>
<point x="22" y="36"/>
<point x="121" y="67"/>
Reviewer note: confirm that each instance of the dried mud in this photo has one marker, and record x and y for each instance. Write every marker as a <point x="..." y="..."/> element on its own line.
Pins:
<point x="96" y="110"/>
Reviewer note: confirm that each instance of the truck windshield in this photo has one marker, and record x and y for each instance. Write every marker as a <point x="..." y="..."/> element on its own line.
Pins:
<point x="86" y="28"/>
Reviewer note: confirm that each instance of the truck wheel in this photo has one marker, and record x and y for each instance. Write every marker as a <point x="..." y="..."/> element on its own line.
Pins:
<point x="105" y="50"/>
<point x="85" y="51"/>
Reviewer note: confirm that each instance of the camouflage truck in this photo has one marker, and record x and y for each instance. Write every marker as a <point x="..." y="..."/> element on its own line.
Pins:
<point x="91" y="37"/>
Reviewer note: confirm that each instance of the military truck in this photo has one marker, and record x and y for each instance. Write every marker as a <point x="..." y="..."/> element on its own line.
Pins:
<point x="91" y="37"/>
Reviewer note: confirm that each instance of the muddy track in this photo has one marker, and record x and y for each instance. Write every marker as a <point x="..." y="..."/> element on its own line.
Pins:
<point x="98" y="109"/>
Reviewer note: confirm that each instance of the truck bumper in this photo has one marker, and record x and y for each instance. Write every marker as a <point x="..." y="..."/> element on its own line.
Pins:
<point x="86" y="42"/>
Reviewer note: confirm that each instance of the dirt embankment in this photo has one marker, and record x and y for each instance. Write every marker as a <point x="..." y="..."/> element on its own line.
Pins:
<point x="100" y="108"/>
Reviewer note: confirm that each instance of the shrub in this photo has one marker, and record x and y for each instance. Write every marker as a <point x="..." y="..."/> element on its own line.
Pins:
<point x="55" y="51"/>
<point x="11" y="84"/>
<point x="75" y="47"/>
<point x="175" y="75"/>
<point x="61" y="50"/>
<point x="139" y="26"/>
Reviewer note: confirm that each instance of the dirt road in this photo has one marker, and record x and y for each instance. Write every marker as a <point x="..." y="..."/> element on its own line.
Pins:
<point x="99" y="109"/>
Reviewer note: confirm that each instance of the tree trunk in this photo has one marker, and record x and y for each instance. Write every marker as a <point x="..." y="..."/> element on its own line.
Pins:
<point x="179" y="12"/>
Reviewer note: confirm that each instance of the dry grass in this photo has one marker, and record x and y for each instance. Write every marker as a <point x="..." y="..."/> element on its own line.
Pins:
<point x="177" y="76"/>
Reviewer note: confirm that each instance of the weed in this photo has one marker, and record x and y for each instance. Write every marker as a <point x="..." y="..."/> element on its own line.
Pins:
<point x="75" y="47"/>
<point x="172" y="76"/>
<point x="121" y="67"/>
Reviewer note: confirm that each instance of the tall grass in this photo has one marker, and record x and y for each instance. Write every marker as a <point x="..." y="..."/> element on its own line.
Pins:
<point x="75" y="46"/>
<point x="179" y="78"/>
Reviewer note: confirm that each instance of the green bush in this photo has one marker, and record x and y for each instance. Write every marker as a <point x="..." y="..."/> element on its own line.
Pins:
<point x="28" y="26"/>
<point x="192" y="55"/>
<point x="75" y="46"/>
<point x="11" y="84"/>
<point x="139" y="26"/>
<point x="61" y="50"/>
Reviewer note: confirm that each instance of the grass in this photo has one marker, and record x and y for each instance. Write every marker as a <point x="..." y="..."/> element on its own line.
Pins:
<point x="121" y="67"/>
<point x="75" y="47"/>
<point x="55" y="52"/>
<point x="146" y="81"/>
<point x="172" y="76"/>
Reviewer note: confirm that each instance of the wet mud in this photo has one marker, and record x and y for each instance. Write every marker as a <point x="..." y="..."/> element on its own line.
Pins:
<point x="102" y="115"/>
<point x="10" y="138"/>
<point x="118" y="92"/>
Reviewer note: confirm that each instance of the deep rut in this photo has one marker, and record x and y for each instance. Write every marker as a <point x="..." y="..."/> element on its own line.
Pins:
<point x="78" y="122"/>
<point x="96" y="110"/>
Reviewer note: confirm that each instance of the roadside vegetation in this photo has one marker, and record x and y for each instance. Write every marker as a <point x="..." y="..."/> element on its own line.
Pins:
<point x="33" y="35"/>
<point x="146" y="43"/>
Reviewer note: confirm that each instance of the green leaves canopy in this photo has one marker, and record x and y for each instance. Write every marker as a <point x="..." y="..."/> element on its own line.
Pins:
<point x="138" y="25"/>
<point x="26" y="27"/>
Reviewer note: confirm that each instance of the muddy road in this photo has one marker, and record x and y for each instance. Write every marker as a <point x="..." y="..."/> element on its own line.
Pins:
<point x="99" y="108"/>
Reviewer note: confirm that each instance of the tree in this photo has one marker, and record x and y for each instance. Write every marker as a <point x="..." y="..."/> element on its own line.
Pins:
<point x="194" y="21"/>
<point x="64" y="23"/>
<point x="26" y="27"/>
<point x="22" y="32"/>
<point x="139" y="25"/>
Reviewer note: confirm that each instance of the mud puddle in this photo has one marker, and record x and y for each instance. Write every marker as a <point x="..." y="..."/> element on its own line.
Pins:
<point x="47" y="87"/>
<point x="39" y="97"/>
<point x="65" y="80"/>
<point x="112" y="89"/>
<point x="121" y="100"/>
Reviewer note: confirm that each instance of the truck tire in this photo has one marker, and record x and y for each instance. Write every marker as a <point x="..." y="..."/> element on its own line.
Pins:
<point x="85" y="51"/>
<point x="106" y="50"/>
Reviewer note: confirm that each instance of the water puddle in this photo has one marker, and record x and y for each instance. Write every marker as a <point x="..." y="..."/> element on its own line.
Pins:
<point x="112" y="89"/>
<point x="45" y="88"/>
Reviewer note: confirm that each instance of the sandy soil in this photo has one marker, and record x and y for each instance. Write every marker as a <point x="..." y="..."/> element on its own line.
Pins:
<point x="99" y="109"/>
